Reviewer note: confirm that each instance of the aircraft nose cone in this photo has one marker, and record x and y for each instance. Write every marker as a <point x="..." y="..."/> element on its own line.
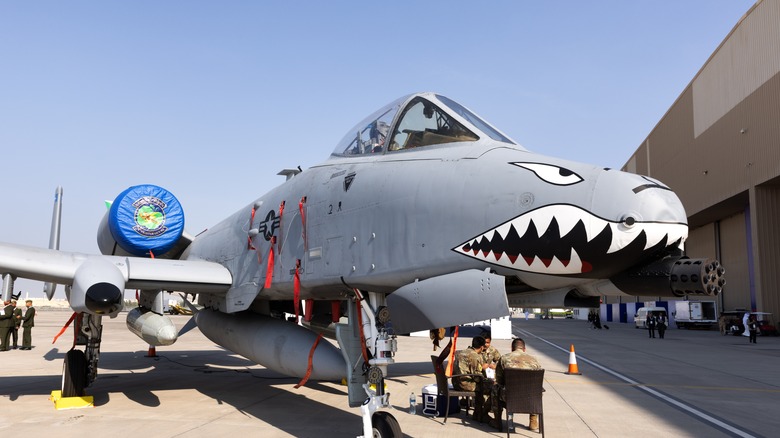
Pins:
<point x="103" y="298"/>
<point x="625" y="196"/>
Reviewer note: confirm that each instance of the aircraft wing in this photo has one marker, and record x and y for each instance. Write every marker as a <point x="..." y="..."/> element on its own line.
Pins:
<point x="63" y="267"/>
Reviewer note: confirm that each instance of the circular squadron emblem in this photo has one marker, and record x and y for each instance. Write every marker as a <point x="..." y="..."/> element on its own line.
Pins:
<point x="149" y="216"/>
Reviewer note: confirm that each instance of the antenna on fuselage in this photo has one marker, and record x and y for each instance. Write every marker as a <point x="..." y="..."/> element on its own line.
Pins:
<point x="289" y="173"/>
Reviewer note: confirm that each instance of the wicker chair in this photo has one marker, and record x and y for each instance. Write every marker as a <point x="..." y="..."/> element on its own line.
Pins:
<point x="443" y="387"/>
<point x="524" y="394"/>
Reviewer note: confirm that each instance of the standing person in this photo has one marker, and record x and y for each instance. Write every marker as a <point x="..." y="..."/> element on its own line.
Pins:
<point x="518" y="358"/>
<point x="650" y="322"/>
<point x="597" y="320"/>
<point x="752" y="328"/>
<point x="28" y="322"/>
<point x="661" y="325"/>
<point x="469" y="361"/>
<point x="6" y="324"/>
<point x="490" y="356"/>
<point x="17" y="323"/>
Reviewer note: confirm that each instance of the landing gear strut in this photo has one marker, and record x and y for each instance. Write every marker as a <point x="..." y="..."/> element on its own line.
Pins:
<point x="368" y="349"/>
<point x="80" y="367"/>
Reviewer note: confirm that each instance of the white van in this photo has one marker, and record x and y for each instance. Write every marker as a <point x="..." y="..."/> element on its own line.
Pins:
<point x="640" y="317"/>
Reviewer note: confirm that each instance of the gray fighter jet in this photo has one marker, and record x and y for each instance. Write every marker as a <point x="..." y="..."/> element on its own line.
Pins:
<point x="424" y="216"/>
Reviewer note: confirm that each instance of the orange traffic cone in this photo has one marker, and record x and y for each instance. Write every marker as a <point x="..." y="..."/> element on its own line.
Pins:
<point x="152" y="352"/>
<point x="573" y="362"/>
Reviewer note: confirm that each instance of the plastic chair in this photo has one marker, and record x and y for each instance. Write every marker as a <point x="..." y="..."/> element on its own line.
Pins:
<point x="524" y="394"/>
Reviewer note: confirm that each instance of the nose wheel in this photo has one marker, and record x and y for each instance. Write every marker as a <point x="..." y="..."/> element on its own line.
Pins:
<point x="384" y="425"/>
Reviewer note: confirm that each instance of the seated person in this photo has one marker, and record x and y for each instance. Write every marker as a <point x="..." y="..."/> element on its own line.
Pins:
<point x="490" y="356"/>
<point x="469" y="361"/>
<point x="518" y="358"/>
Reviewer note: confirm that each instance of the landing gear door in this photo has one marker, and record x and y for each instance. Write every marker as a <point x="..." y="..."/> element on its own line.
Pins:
<point x="448" y="300"/>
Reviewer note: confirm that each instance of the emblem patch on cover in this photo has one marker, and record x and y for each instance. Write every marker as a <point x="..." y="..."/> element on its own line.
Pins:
<point x="149" y="216"/>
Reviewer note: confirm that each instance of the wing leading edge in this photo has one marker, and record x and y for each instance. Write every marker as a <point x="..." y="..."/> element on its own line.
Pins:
<point x="194" y="276"/>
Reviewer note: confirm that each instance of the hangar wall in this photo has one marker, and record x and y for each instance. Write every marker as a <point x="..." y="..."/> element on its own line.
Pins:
<point x="734" y="255"/>
<point x="718" y="148"/>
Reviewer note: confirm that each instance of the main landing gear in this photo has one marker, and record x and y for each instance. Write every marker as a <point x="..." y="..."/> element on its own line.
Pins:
<point x="80" y="367"/>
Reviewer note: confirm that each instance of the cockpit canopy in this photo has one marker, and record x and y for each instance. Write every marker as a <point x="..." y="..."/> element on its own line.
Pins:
<point x="415" y="121"/>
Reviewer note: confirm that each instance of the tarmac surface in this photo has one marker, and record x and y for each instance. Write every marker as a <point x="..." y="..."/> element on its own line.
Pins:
<point x="693" y="383"/>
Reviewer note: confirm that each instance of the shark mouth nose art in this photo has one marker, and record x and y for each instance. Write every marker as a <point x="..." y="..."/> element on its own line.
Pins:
<point x="565" y="239"/>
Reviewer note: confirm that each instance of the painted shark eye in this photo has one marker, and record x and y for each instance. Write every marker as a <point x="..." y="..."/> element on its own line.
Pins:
<point x="552" y="174"/>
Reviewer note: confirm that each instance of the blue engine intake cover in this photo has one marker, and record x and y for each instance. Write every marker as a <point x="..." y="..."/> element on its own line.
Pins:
<point x="146" y="220"/>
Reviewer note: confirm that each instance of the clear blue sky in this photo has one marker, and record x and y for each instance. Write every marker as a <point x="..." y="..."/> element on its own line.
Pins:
<point x="212" y="99"/>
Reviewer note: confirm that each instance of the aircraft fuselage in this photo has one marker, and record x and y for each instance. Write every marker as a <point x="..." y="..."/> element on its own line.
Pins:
<point x="380" y="222"/>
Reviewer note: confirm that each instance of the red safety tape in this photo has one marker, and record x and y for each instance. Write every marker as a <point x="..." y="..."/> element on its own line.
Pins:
<point x="311" y="358"/>
<point x="297" y="289"/>
<point x="335" y="311"/>
<point x="450" y="364"/>
<point x="303" y="221"/>
<point x="360" y="323"/>
<point x="249" y="245"/>
<point x="309" y="313"/>
<point x="281" y="212"/>
<point x="65" y="327"/>
<point x="269" y="273"/>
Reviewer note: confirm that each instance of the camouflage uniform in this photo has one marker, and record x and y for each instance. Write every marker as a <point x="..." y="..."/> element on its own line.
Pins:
<point x="468" y="361"/>
<point x="491" y="355"/>
<point x="516" y="359"/>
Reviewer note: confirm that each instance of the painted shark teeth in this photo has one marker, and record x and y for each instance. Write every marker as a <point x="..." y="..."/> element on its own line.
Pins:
<point x="565" y="239"/>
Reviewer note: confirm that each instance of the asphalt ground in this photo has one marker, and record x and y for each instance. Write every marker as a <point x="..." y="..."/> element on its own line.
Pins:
<point x="690" y="384"/>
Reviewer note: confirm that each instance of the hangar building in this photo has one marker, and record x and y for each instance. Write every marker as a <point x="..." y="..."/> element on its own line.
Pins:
<point x="718" y="148"/>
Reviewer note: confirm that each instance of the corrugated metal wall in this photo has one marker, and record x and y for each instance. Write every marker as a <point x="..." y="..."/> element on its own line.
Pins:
<point x="701" y="242"/>
<point x="746" y="60"/>
<point x="766" y="241"/>
<point x="720" y="140"/>
<point x="727" y="118"/>
<point x="672" y="155"/>
<point x="734" y="256"/>
<point x="740" y="151"/>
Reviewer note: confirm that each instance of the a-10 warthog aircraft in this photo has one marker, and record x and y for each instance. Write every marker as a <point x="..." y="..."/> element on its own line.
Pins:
<point x="424" y="216"/>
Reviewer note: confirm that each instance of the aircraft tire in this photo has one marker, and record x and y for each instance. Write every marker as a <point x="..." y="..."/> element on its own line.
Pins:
<point x="74" y="374"/>
<point x="385" y="425"/>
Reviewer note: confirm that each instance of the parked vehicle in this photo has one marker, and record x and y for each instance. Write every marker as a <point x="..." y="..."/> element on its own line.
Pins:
<point x="688" y="314"/>
<point x="733" y="323"/>
<point x="561" y="313"/>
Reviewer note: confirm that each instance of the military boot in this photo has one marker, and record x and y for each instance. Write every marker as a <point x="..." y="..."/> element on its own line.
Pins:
<point x="484" y="416"/>
<point x="534" y="424"/>
<point x="481" y="410"/>
<point x="496" y="422"/>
